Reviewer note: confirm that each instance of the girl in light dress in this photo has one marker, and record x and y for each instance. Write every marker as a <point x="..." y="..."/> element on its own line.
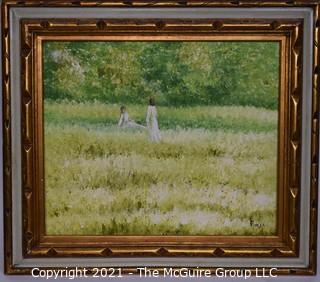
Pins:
<point x="152" y="122"/>
<point x="126" y="122"/>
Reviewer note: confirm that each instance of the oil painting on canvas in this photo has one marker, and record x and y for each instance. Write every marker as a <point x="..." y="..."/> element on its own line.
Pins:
<point x="161" y="138"/>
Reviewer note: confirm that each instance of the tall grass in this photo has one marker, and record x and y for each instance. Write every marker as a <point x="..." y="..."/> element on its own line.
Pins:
<point x="233" y="118"/>
<point x="197" y="181"/>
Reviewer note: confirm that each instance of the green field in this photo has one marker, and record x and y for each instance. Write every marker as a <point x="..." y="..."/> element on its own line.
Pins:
<point x="213" y="173"/>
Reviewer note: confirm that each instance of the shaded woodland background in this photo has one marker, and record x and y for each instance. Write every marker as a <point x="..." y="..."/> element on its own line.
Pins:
<point x="176" y="73"/>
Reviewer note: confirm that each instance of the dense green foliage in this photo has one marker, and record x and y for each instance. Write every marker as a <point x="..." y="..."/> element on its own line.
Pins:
<point x="176" y="73"/>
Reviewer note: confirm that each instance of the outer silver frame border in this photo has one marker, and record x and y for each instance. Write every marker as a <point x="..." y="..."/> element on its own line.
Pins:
<point x="16" y="14"/>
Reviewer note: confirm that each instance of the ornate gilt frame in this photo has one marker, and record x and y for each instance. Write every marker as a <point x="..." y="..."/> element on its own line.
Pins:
<point x="289" y="34"/>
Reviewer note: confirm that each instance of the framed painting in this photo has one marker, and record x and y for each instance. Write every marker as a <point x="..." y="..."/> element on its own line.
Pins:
<point x="168" y="135"/>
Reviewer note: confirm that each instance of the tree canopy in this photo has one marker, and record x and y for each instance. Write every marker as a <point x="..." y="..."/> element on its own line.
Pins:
<point x="175" y="73"/>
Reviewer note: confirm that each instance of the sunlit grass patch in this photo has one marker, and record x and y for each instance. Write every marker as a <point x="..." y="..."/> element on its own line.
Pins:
<point x="198" y="181"/>
<point x="226" y="118"/>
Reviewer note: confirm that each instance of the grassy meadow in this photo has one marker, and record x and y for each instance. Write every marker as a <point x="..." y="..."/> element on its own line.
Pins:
<point x="213" y="173"/>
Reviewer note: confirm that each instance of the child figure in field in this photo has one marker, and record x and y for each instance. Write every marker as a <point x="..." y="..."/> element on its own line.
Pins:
<point x="152" y="121"/>
<point x="126" y="122"/>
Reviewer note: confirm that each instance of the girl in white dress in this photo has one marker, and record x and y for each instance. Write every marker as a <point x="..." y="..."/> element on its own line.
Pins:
<point x="126" y="122"/>
<point x="152" y="121"/>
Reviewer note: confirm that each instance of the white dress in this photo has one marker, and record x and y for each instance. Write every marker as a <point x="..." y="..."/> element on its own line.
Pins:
<point x="152" y="124"/>
<point x="124" y="121"/>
